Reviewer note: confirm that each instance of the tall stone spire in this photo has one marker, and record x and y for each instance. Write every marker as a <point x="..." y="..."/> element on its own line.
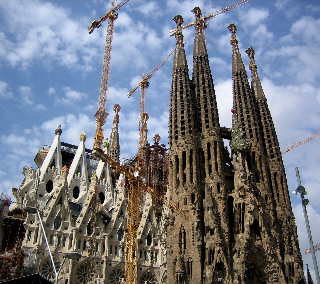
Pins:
<point x="269" y="134"/>
<point x="183" y="171"/>
<point x="237" y="63"/>
<point x="181" y="105"/>
<point x="244" y="103"/>
<point x="180" y="60"/>
<point x="114" y="146"/>
<point x="200" y="47"/>
<point x="207" y="111"/>
<point x="278" y="182"/>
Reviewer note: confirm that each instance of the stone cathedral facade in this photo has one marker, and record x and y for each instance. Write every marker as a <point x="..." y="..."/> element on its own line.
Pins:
<point x="238" y="225"/>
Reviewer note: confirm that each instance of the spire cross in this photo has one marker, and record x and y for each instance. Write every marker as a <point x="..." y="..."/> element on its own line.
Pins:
<point x="233" y="40"/>
<point x="252" y="63"/>
<point x="199" y="23"/>
<point x="179" y="36"/>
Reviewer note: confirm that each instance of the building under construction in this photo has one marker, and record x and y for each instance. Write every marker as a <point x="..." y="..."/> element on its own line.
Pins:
<point x="206" y="213"/>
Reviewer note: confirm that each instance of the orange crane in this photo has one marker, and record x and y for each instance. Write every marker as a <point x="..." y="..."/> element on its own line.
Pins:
<point x="298" y="144"/>
<point x="143" y="85"/>
<point x="200" y="23"/>
<point x="101" y="114"/>
<point x="134" y="189"/>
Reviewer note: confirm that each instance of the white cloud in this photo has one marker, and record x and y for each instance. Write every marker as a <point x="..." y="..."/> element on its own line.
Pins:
<point x="303" y="103"/>
<point x="51" y="91"/>
<point x="72" y="127"/>
<point x="225" y="101"/>
<point x="307" y="28"/>
<point x="35" y="32"/>
<point x="261" y="32"/>
<point x="159" y="125"/>
<point x="26" y="95"/>
<point x="40" y="107"/>
<point x="185" y="7"/>
<point x="5" y="93"/>
<point x="119" y="96"/>
<point x="21" y="146"/>
<point x="73" y="95"/>
<point x="280" y="4"/>
<point x="150" y="9"/>
<point x="254" y="16"/>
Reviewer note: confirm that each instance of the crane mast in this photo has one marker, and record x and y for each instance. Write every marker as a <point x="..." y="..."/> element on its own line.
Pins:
<point x="144" y="83"/>
<point x="101" y="113"/>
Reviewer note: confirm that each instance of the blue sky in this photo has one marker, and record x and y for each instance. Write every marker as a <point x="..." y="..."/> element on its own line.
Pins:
<point x="51" y="71"/>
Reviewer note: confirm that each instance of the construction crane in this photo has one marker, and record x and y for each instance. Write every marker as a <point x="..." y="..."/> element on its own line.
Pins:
<point x="144" y="83"/>
<point x="298" y="144"/>
<point x="134" y="190"/>
<point x="200" y="23"/>
<point x="316" y="247"/>
<point x="101" y="114"/>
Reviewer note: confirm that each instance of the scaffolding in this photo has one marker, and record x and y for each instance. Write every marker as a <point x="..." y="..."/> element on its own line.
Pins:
<point x="11" y="254"/>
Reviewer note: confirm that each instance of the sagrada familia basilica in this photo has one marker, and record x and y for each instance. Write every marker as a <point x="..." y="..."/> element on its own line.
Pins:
<point x="237" y="224"/>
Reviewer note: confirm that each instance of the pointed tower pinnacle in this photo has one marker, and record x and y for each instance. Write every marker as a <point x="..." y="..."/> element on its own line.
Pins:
<point x="244" y="103"/>
<point x="183" y="173"/>
<point x="277" y="179"/>
<point x="114" y="146"/>
<point x="277" y="171"/>
<point x="180" y="60"/>
<point x="237" y="63"/>
<point x="256" y="83"/>
<point x="206" y="104"/>
<point x="54" y="155"/>
<point x="181" y="109"/>
<point x="200" y="25"/>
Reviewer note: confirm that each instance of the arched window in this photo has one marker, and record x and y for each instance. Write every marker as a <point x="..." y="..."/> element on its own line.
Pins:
<point x="49" y="186"/>
<point x="182" y="238"/>
<point x="120" y="234"/>
<point x="101" y="197"/>
<point x="189" y="267"/>
<point x="76" y="192"/>
<point x="149" y="239"/>
<point x="57" y="222"/>
<point x="193" y="198"/>
<point x="89" y="229"/>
